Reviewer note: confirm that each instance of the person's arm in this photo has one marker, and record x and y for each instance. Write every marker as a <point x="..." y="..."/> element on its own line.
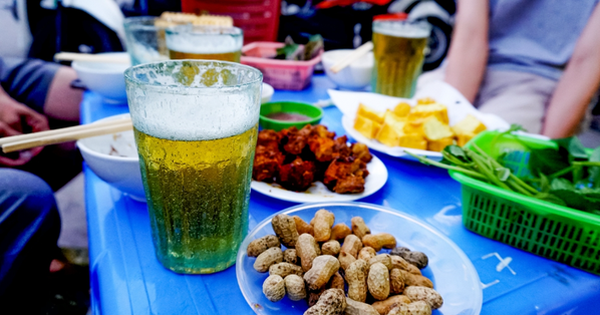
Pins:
<point x="578" y="83"/>
<point x="12" y="117"/>
<point x="468" y="54"/>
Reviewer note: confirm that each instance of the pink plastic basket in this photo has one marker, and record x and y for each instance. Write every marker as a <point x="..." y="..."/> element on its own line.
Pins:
<point x="281" y="74"/>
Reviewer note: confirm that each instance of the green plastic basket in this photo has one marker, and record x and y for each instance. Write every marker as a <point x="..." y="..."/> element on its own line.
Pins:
<point x="556" y="232"/>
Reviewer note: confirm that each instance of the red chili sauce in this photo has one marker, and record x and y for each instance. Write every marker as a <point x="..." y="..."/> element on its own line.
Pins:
<point x="288" y="117"/>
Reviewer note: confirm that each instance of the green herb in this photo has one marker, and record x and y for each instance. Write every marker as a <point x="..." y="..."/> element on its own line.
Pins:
<point x="293" y="51"/>
<point x="567" y="176"/>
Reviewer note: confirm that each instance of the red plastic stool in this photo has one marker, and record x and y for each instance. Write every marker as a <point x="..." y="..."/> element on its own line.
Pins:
<point x="259" y="19"/>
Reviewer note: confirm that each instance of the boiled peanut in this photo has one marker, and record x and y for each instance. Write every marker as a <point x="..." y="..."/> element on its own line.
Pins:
<point x="295" y="287"/>
<point x="396" y="281"/>
<point x="359" y="228"/>
<point x="349" y="250"/>
<point x="429" y="295"/>
<point x="331" y="247"/>
<point x="358" y="308"/>
<point x="322" y="223"/>
<point x="382" y="258"/>
<point x="366" y="253"/>
<point x="400" y="263"/>
<point x="415" y="280"/>
<point x="356" y="276"/>
<point x="383" y="307"/>
<point x="305" y="248"/>
<point x="379" y="240"/>
<point x="260" y="245"/>
<point x="267" y="258"/>
<point x="331" y="302"/>
<point x="285" y="228"/>
<point x="336" y="281"/>
<point x="378" y="281"/>
<point x="290" y="256"/>
<point x="284" y="269"/>
<point x="323" y="267"/>
<point x="303" y="227"/>
<point x="274" y="288"/>
<point x="414" y="308"/>
<point x="340" y="231"/>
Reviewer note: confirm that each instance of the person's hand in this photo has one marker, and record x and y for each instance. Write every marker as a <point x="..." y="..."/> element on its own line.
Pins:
<point x="14" y="117"/>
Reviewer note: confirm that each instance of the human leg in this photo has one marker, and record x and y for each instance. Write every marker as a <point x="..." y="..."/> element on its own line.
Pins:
<point x="29" y="230"/>
<point x="517" y="97"/>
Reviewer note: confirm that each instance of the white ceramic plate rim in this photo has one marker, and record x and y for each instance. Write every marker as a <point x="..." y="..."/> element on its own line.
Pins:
<point x="378" y="176"/>
<point x="469" y="267"/>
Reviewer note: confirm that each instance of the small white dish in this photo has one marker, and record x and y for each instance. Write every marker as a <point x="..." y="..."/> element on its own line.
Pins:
<point x="106" y="79"/>
<point x="356" y="76"/>
<point x="318" y="192"/>
<point x="115" y="160"/>
<point x="267" y="93"/>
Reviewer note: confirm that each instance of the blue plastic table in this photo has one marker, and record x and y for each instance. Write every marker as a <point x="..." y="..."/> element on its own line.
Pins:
<point x="126" y="278"/>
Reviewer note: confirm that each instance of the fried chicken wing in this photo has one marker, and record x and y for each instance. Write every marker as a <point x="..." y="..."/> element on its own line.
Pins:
<point x="267" y="161"/>
<point x="295" y="141"/>
<point x="350" y="185"/>
<point x="361" y="151"/>
<point x="298" y="175"/>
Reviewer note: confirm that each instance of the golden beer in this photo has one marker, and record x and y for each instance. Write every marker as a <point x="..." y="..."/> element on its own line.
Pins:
<point x="233" y="56"/>
<point x="399" y="51"/>
<point x="195" y="124"/>
<point x="198" y="194"/>
<point x="205" y="42"/>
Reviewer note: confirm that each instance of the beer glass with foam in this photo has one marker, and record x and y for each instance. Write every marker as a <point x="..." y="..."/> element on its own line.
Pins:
<point x="205" y="42"/>
<point x="195" y="125"/>
<point x="399" y="51"/>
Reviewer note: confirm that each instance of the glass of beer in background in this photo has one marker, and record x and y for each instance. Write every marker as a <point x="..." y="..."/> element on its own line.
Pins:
<point x="195" y="124"/>
<point x="145" y="40"/>
<point x="399" y="51"/>
<point x="205" y="42"/>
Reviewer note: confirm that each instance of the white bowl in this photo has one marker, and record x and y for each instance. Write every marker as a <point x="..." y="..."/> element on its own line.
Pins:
<point x="267" y="93"/>
<point x="106" y="79"/>
<point x="355" y="76"/>
<point x="122" y="169"/>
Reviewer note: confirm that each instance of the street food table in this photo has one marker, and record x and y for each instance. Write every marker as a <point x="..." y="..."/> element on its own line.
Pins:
<point x="126" y="278"/>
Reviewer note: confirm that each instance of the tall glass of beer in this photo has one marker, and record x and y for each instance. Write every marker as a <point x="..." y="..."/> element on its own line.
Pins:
<point x="145" y="39"/>
<point x="195" y="124"/>
<point x="205" y="42"/>
<point x="398" y="50"/>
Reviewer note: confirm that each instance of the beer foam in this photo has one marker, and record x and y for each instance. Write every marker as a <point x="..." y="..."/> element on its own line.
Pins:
<point x="402" y="28"/>
<point x="210" y="41"/>
<point x="167" y="109"/>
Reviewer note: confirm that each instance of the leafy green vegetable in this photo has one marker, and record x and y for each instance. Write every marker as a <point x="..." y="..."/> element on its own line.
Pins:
<point x="567" y="176"/>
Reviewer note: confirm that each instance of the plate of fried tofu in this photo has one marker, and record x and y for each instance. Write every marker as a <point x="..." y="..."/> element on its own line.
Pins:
<point x="436" y="117"/>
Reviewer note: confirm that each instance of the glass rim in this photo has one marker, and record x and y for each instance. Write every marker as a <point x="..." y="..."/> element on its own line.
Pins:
<point x="414" y="24"/>
<point x="133" y="21"/>
<point x="197" y="30"/>
<point x="130" y="77"/>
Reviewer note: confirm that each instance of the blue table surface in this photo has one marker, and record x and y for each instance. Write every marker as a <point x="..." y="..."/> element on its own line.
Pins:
<point x="126" y="278"/>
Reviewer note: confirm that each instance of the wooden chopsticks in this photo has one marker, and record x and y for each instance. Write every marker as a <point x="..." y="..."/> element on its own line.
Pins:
<point x="37" y="139"/>
<point x="354" y="55"/>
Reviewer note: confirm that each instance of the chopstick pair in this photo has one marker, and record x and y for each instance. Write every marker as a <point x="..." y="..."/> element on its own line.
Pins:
<point x="37" y="139"/>
<point x="68" y="56"/>
<point x="354" y="55"/>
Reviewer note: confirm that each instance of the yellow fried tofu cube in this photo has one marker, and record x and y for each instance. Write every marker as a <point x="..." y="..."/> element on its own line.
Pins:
<point x="370" y="113"/>
<point x="462" y="139"/>
<point x="439" y="145"/>
<point x="423" y="111"/>
<point x="414" y="127"/>
<point x="425" y="101"/>
<point x="414" y="141"/>
<point x="366" y="126"/>
<point x="402" y="109"/>
<point x="391" y="118"/>
<point x="388" y="135"/>
<point x="434" y="129"/>
<point x="468" y="125"/>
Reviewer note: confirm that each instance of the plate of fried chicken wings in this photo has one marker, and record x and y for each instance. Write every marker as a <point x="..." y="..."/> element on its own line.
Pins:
<point x="313" y="165"/>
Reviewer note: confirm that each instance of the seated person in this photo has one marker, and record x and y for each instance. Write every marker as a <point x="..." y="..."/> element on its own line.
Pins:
<point x="535" y="63"/>
<point x="29" y="219"/>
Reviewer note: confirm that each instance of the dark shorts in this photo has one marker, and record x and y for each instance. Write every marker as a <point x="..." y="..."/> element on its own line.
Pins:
<point x="27" y="80"/>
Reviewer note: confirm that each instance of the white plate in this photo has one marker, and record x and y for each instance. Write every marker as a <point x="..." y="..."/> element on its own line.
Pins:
<point x="318" y="192"/>
<point x="451" y="271"/>
<point x="458" y="108"/>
